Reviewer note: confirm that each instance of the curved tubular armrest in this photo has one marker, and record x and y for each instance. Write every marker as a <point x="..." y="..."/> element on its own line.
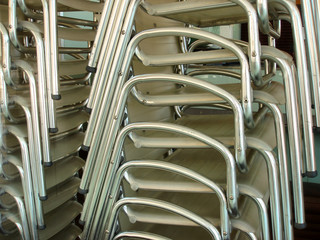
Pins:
<point x="31" y="201"/>
<point x="4" y="174"/>
<point x="3" y="218"/>
<point x="32" y="119"/>
<point x="232" y="187"/>
<point x="254" y="51"/>
<point x="6" y="61"/>
<point x="13" y="27"/>
<point x="283" y="168"/>
<point x="47" y="107"/>
<point x="162" y="205"/>
<point x="121" y="77"/>
<point x="220" y="71"/>
<point x="284" y="62"/>
<point x="253" y="29"/>
<point x="273" y="177"/>
<point x="202" y="35"/>
<point x="26" y="68"/>
<point x="16" y="217"/>
<point x="293" y="123"/>
<point x="35" y="31"/>
<point x="5" y="102"/>
<point x="264" y="79"/>
<point x="263" y="211"/>
<point x="139" y="235"/>
<point x="24" y="231"/>
<point x="225" y="223"/>
<point x="240" y="144"/>
<point x="263" y="15"/>
<point x="35" y="158"/>
<point x="294" y="17"/>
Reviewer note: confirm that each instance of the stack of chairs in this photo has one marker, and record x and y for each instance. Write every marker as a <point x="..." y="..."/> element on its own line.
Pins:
<point x="154" y="159"/>
<point x="44" y="88"/>
<point x="184" y="129"/>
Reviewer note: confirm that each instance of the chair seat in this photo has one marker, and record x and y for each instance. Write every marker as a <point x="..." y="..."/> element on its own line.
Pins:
<point x="37" y="5"/>
<point x="202" y="13"/>
<point x="55" y="175"/>
<point x="76" y="34"/>
<point x="72" y="96"/>
<point x="66" y="146"/>
<point x="59" y="218"/>
<point x="61" y="193"/>
<point x="216" y="126"/>
<point x="198" y="204"/>
<point x="71" y="232"/>
<point x="71" y="122"/>
<point x="62" y="170"/>
<point x="66" y="67"/>
<point x="83" y="5"/>
<point x="206" y="162"/>
<point x="9" y="219"/>
<point x="272" y="93"/>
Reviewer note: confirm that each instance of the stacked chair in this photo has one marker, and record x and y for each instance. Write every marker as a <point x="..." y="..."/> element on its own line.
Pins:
<point x="184" y="129"/>
<point x="44" y="88"/>
<point x="141" y="130"/>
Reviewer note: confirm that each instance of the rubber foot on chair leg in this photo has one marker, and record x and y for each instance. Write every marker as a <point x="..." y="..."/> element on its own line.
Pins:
<point x="53" y="130"/>
<point x="300" y="225"/>
<point x="82" y="191"/>
<point x="47" y="164"/>
<point x="88" y="110"/>
<point x="82" y="222"/>
<point x="312" y="174"/>
<point x="43" y="198"/>
<point x="85" y="148"/>
<point x="41" y="227"/>
<point x="56" y="96"/>
<point x="91" y="69"/>
<point x="316" y="129"/>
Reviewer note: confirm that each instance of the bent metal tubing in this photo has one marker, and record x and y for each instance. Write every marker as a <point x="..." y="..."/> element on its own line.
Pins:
<point x="293" y="125"/>
<point x="280" y="133"/>
<point x="240" y="144"/>
<point x="24" y="227"/>
<point x="40" y="51"/>
<point x="34" y="139"/>
<point x="304" y="83"/>
<point x="110" y="231"/>
<point x="232" y="189"/>
<point x="118" y="35"/>
<point x="116" y="181"/>
<point x="34" y="168"/>
<point x="29" y="197"/>
<point x="139" y="235"/>
<point x="254" y="143"/>
<point x="289" y="79"/>
<point x="313" y="54"/>
<point x="294" y="136"/>
<point x="92" y="137"/>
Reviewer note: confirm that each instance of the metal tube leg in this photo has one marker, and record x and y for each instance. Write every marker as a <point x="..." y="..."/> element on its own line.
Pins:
<point x="310" y="24"/>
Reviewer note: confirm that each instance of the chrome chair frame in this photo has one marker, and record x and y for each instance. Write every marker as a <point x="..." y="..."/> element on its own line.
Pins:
<point x="92" y="137"/>
<point x="162" y="205"/>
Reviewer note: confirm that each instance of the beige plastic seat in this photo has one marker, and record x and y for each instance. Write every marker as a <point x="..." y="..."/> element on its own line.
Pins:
<point x="211" y="230"/>
<point x="58" y="218"/>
